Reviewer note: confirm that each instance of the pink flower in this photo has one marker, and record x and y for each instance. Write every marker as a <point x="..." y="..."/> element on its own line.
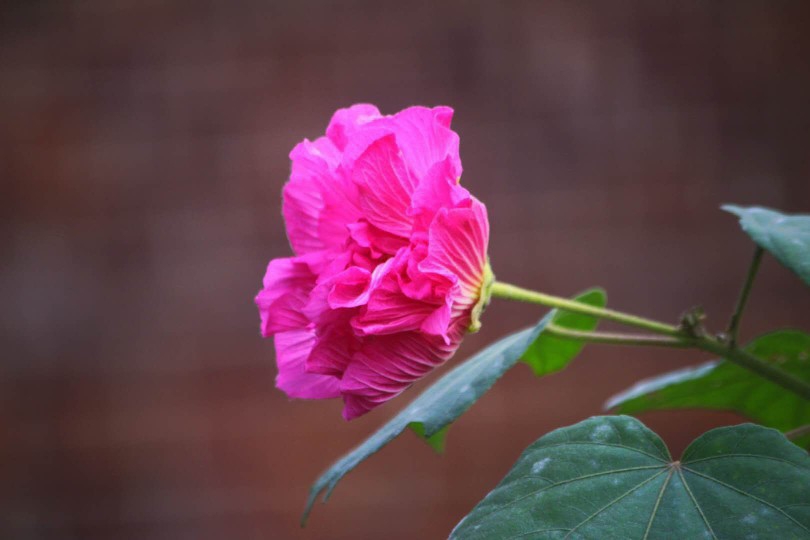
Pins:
<point x="391" y="264"/>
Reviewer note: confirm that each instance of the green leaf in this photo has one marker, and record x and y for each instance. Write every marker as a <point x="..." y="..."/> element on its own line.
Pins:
<point x="610" y="477"/>
<point x="727" y="386"/>
<point x="436" y="441"/>
<point x="550" y="353"/>
<point x="786" y="237"/>
<point x="432" y="412"/>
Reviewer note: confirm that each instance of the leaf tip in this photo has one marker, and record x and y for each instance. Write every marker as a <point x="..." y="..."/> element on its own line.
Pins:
<point x="735" y="209"/>
<point x="612" y="402"/>
<point x="313" y="494"/>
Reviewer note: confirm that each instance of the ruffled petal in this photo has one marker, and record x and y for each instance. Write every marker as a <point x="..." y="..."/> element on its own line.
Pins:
<point x="284" y="313"/>
<point x="385" y="367"/>
<point x="418" y="285"/>
<point x="385" y="187"/>
<point x="292" y="350"/>
<point x="425" y="138"/>
<point x="458" y="247"/>
<point x="333" y="351"/>
<point x="291" y="276"/>
<point x="389" y="311"/>
<point x="438" y="322"/>
<point x="286" y="274"/>
<point x="346" y="123"/>
<point x="438" y="189"/>
<point x="319" y="200"/>
<point x="351" y="288"/>
<point x="313" y="166"/>
<point x="423" y="135"/>
<point x="354" y="286"/>
<point x="379" y="242"/>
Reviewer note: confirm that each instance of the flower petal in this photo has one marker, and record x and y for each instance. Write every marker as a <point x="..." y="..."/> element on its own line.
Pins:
<point x="284" y="313"/>
<point x="425" y="138"/>
<point x="423" y="135"/>
<point x="386" y="366"/>
<point x="292" y="350"/>
<point x="438" y="322"/>
<point x="332" y="353"/>
<point x="379" y="242"/>
<point x="319" y="201"/>
<point x="288" y="276"/>
<point x="389" y="311"/>
<point x="385" y="187"/>
<point x="438" y="189"/>
<point x="355" y="285"/>
<point x="458" y="246"/>
<point x="347" y="122"/>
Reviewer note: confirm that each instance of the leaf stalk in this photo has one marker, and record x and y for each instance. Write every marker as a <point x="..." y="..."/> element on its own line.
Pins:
<point x="734" y="324"/>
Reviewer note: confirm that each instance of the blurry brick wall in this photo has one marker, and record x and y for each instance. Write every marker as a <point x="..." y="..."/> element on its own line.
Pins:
<point x="143" y="146"/>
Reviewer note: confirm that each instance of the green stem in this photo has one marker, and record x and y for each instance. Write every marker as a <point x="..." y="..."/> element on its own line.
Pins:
<point x="760" y="367"/>
<point x="676" y="337"/>
<point x="612" y="338"/>
<point x="511" y="292"/>
<point x="734" y="324"/>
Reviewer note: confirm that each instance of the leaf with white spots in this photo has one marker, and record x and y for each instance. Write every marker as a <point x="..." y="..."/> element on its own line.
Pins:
<point x="786" y="237"/>
<point x="430" y="414"/>
<point x="610" y="477"/>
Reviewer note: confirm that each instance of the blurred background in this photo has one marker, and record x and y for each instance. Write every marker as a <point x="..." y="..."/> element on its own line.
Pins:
<point x="143" y="147"/>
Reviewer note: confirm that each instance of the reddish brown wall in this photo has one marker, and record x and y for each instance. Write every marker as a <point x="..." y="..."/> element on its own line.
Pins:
<point x="143" y="145"/>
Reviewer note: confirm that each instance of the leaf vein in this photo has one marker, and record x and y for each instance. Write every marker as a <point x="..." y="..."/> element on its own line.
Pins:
<point x="750" y="496"/>
<point x="697" y="505"/>
<point x="724" y="456"/>
<point x="657" y="503"/>
<point x="565" y="482"/>
<point x="614" y="501"/>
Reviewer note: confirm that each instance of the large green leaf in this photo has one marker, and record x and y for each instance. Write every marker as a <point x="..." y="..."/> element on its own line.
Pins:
<point x="786" y="236"/>
<point x="549" y="353"/>
<point x="612" y="478"/>
<point x="723" y="385"/>
<point x="438" y="406"/>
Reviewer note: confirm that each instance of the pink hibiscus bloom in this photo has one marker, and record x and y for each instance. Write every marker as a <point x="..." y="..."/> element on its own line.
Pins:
<point x="391" y="264"/>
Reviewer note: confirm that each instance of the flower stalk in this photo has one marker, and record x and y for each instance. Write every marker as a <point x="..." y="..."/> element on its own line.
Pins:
<point x="669" y="335"/>
<point x="512" y="292"/>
